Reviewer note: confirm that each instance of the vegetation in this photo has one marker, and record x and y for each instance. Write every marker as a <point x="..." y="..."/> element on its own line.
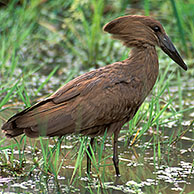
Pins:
<point x="43" y="45"/>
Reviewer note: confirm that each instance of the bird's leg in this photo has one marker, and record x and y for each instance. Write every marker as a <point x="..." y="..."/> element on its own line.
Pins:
<point x="89" y="155"/>
<point x="115" y="153"/>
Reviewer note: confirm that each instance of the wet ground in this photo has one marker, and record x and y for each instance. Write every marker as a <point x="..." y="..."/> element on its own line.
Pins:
<point x="141" y="171"/>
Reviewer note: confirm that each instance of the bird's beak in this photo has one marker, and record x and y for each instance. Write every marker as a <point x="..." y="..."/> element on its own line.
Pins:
<point x="167" y="46"/>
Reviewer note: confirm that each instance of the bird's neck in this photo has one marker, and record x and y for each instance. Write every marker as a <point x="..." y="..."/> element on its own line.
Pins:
<point x="145" y="61"/>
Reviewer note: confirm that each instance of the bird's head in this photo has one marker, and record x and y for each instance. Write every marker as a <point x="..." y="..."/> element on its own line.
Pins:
<point x="143" y="31"/>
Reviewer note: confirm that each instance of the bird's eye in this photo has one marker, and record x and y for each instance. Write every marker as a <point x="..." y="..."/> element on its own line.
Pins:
<point x="156" y="28"/>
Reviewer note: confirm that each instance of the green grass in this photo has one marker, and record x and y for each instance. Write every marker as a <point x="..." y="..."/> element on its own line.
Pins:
<point x="52" y="42"/>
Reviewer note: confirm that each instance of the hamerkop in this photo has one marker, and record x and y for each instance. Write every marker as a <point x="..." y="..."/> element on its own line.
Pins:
<point x="105" y="98"/>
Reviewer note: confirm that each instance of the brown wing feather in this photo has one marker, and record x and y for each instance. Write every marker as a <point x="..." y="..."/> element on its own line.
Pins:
<point x="92" y="101"/>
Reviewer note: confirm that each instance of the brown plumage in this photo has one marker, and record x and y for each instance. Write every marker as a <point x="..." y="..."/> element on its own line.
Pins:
<point x="106" y="98"/>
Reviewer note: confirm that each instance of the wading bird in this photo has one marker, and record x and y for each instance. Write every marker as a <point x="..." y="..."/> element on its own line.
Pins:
<point x="106" y="98"/>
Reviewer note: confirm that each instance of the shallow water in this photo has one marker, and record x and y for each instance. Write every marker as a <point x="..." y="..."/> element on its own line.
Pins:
<point x="141" y="171"/>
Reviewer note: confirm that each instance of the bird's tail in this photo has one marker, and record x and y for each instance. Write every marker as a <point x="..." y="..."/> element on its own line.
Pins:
<point x="10" y="128"/>
<point x="44" y="118"/>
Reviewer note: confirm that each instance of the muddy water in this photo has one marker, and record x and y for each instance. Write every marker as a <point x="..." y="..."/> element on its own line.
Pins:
<point x="141" y="171"/>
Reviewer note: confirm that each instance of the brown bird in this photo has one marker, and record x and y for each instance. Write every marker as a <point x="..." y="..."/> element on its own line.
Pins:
<point x="106" y="98"/>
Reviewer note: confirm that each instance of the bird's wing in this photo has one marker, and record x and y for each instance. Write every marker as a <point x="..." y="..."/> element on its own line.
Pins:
<point x="94" y="99"/>
<point x="102" y="99"/>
